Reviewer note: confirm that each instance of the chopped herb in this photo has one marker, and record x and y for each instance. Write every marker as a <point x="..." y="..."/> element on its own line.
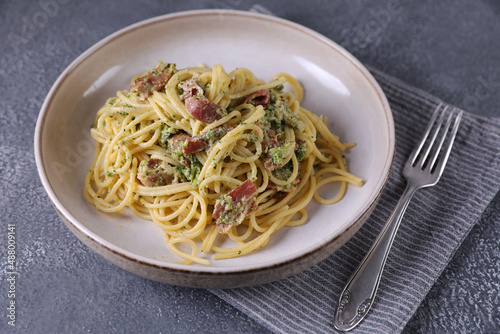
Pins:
<point x="280" y="153"/>
<point x="301" y="151"/>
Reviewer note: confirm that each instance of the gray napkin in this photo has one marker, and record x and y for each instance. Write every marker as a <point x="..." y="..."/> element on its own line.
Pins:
<point x="435" y="224"/>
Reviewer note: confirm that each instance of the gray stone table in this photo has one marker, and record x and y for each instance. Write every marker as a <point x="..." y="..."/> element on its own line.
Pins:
<point x="450" y="49"/>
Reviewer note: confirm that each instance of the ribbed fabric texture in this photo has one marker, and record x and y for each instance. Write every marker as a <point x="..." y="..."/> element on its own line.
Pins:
<point x="435" y="224"/>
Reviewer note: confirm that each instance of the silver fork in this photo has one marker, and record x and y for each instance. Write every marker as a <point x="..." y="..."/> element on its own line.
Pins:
<point x="423" y="169"/>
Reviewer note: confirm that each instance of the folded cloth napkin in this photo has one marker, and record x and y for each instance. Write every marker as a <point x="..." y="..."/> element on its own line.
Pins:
<point x="435" y="224"/>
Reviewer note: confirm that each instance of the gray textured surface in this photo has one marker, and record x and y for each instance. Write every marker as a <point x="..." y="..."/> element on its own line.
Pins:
<point x="447" y="48"/>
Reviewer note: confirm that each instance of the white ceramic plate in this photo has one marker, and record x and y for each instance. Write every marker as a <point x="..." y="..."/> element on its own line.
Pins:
<point x="335" y="83"/>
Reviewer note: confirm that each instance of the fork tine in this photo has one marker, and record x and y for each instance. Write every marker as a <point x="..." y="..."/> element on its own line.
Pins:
<point x="451" y="138"/>
<point x="437" y="149"/>
<point x="416" y="152"/>
<point x="436" y="126"/>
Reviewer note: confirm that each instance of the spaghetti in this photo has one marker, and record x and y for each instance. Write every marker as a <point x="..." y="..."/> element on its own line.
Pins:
<point x="211" y="156"/>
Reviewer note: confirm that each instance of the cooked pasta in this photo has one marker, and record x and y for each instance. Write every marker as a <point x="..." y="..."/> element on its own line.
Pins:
<point x="211" y="156"/>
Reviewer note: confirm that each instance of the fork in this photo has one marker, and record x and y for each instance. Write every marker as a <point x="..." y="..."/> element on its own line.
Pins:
<point x="424" y="168"/>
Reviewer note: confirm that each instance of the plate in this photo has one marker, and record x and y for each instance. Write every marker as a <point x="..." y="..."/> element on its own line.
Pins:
<point x="335" y="84"/>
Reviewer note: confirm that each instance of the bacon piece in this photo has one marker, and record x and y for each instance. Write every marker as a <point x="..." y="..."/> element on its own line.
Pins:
<point x="259" y="98"/>
<point x="231" y="209"/>
<point x="204" y="111"/>
<point x="268" y="163"/>
<point x="176" y="141"/>
<point x="155" y="80"/>
<point x="156" y="172"/>
<point x="205" y="140"/>
<point x="191" y="87"/>
<point x="197" y="103"/>
<point x="194" y="144"/>
<point x="243" y="191"/>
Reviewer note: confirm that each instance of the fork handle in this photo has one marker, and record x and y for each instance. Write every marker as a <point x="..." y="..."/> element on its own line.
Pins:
<point x="357" y="296"/>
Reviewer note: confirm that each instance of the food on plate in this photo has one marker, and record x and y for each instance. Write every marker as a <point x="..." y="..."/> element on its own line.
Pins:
<point x="219" y="161"/>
